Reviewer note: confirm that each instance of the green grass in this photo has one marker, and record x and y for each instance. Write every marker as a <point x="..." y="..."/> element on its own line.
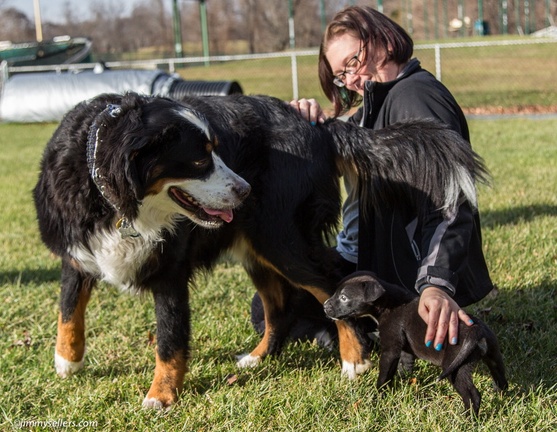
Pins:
<point x="301" y="390"/>
<point x="487" y="77"/>
<point x="264" y="76"/>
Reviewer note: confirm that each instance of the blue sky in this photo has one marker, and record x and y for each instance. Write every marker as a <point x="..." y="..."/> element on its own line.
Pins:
<point x="52" y="10"/>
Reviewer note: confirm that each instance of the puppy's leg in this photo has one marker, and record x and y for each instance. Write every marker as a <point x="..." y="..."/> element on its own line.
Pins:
<point x="173" y="331"/>
<point x="273" y="290"/>
<point x="461" y="379"/>
<point x="406" y="363"/>
<point x="388" y="363"/>
<point x="494" y="361"/>
<point x="70" y="341"/>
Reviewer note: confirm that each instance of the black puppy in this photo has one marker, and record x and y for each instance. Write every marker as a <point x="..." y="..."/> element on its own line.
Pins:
<point x="402" y="331"/>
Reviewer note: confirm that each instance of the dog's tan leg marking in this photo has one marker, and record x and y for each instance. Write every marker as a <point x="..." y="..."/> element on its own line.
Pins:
<point x="254" y="358"/>
<point x="320" y="295"/>
<point x="353" y="362"/>
<point x="168" y="382"/>
<point x="351" y="350"/>
<point x="70" y="341"/>
<point x="273" y="298"/>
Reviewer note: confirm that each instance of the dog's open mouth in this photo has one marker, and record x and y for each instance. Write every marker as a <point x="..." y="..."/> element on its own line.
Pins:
<point x="206" y="215"/>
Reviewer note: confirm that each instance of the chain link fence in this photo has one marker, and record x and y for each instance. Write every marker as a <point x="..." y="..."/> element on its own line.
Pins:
<point x="509" y="73"/>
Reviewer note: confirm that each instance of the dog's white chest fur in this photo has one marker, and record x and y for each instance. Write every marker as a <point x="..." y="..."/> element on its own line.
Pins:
<point x="114" y="259"/>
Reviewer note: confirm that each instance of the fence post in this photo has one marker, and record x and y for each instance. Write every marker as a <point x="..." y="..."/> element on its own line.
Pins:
<point x="294" y="64"/>
<point x="438" y="62"/>
<point x="4" y="74"/>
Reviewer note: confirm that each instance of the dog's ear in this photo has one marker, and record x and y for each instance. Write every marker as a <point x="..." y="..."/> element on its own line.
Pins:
<point x="131" y="172"/>
<point x="372" y="289"/>
<point x="120" y="136"/>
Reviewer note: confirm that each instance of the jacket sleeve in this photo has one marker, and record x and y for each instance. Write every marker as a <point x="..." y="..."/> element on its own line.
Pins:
<point x="444" y="240"/>
<point x="444" y="248"/>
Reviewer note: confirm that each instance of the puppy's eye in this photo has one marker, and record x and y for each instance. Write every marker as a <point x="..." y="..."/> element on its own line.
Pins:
<point x="343" y="298"/>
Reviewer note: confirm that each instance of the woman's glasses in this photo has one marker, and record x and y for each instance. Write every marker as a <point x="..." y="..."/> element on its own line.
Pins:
<point x="352" y="66"/>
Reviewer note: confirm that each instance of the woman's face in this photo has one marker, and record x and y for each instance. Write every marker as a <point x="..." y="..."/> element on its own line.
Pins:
<point x="354" y="63"/>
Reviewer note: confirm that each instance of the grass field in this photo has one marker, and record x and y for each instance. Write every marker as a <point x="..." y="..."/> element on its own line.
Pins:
<point x="486" y="77"/>
<point x="301" y="390"/>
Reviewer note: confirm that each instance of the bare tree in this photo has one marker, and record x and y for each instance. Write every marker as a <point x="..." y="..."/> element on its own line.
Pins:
<point x="257" y="25"/>
<point x="266" y="24"/>
<point x="16" y="26"/>
<point x="307" y="23"/>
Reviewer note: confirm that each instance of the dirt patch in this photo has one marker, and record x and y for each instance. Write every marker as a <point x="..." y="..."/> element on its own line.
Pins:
<point x="526" y="109"/>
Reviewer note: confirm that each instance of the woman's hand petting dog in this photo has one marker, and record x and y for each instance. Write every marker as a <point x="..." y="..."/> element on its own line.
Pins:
<point x="309" y="109"/>
<point x="441" y="314"/>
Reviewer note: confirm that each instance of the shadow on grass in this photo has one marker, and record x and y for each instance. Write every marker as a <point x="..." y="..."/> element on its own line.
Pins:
<point x="28" y="276"/>
<point x="524" y="319"/>
<point x="525" y="322"/>
<point x="514" y="215"/>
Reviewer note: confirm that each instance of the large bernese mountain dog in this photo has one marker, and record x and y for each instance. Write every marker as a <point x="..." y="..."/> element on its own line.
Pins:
<point x="142" y="192"/>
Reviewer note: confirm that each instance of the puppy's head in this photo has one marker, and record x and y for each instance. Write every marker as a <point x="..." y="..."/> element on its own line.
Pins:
<point x="355" y="296"/>
<point x="167" y="165"/>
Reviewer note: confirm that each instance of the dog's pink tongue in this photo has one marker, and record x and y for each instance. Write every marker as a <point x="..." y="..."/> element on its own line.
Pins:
<point x="225" y="215"/>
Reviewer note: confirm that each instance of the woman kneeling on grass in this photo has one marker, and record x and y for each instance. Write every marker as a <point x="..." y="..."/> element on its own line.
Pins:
<point x="367" y="57"/>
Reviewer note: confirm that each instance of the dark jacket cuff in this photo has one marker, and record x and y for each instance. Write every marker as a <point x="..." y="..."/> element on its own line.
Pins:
<point x="435" y="282"/>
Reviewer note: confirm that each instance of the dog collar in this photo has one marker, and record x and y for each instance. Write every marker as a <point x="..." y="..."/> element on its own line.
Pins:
<point x="124" y="226"/>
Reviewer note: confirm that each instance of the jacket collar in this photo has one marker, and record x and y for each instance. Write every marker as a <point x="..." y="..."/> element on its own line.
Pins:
<point x="376" y="92"/>
<point x="412" y="66"/>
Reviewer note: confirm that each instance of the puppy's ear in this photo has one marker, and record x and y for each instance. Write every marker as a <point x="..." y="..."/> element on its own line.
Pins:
<point x="372" y="289"/>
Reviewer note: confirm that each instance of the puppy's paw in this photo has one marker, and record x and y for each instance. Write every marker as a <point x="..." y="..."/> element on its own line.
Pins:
<point x="248" y="361"/>
<point x="65" y="368"/>
<point x="352" y="370"/>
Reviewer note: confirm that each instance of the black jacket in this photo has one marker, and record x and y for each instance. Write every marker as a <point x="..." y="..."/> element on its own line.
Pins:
<point x="427" y="249"/>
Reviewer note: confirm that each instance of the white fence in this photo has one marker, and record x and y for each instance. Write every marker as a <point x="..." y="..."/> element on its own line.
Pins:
<point x="439" y="50"/>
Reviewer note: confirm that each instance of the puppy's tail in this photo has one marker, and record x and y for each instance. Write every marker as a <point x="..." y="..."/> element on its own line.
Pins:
<point x="421" y="161"/>
<point x="474" y="339"/>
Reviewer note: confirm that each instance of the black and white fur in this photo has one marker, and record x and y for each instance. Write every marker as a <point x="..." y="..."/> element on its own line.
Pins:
<point x="135" y="190"/>
<point x="402" y="334"/>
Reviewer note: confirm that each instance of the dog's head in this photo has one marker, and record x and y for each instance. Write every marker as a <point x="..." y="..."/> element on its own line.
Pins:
<point x="156" y="159"/>
<point x="355" y="297"/>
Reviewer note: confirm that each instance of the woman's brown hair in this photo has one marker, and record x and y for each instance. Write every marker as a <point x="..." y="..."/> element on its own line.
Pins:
<point x="370" y="26"/>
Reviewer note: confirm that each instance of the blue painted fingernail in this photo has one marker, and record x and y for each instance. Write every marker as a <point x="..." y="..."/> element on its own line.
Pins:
<point x="470" y="321"/>
<point x="313" y="123"/>
<point x="439" y="347"/>
<point x="428" y="344"/>
<point x="454" y="341"/>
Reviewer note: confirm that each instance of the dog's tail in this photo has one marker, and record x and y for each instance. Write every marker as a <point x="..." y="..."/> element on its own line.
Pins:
<point x="474" y="339"/>
<point x="417" y="160"/>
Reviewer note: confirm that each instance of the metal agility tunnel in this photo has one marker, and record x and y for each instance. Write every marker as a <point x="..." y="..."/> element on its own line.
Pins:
<point x="47" y="96"/>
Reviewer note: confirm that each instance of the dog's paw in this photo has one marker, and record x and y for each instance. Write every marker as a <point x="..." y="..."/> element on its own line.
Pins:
<point x="248" y="361"/>
<point x="352" y="370"/>
<point x="154" y="403"/>
<point x="65" y="368"/>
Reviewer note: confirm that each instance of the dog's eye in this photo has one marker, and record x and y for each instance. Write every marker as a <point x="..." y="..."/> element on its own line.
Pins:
<point x="202" y="163"/>
<point x="343" y="298"/>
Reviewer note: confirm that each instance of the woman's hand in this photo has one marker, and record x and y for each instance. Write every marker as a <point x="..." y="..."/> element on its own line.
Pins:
<point x="441" y="314"/>
<point x="309" y="109"/>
